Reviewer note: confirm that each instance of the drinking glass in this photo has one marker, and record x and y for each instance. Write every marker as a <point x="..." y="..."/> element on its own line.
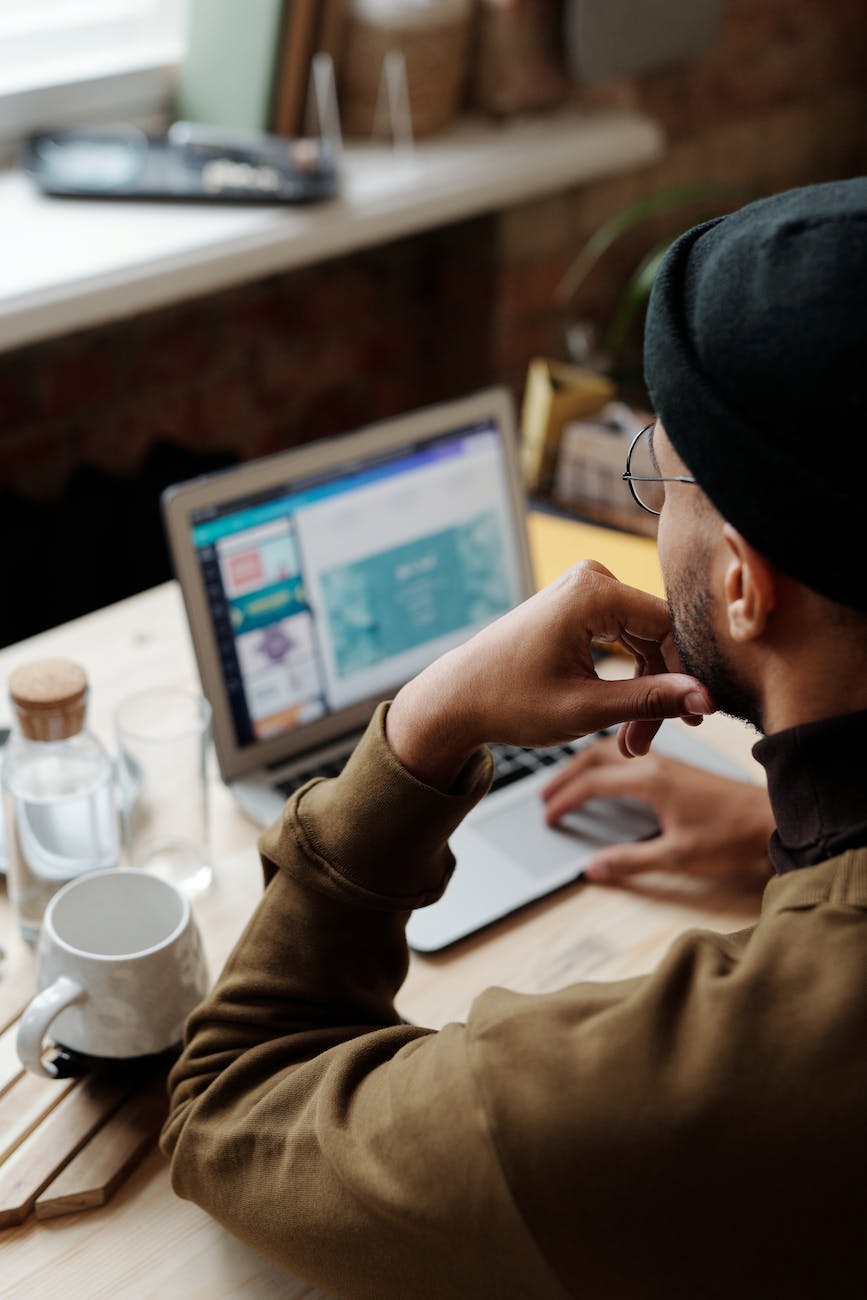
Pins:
<point x="162" y="739"/>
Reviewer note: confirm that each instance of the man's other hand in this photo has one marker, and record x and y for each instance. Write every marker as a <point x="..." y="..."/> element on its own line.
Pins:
<point x="711" y="826"/>
<point x="529" y="679"/>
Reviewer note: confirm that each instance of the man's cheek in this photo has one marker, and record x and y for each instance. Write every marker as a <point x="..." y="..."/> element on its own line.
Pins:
<point x="663" y="550"/>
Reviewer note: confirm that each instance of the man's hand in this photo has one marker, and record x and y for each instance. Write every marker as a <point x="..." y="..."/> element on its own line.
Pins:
<point x="711" y="826"/>
<point x="529" y="679"/>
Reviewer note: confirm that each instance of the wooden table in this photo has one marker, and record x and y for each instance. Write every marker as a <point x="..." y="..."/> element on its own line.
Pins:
<point x="145" y="1244"/>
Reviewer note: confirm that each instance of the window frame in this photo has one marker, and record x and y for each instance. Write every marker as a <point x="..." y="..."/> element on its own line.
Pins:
<point x="108" y="60"/>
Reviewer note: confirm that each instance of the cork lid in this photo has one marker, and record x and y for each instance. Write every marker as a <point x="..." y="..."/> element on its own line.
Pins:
<point x="50" y="698"/>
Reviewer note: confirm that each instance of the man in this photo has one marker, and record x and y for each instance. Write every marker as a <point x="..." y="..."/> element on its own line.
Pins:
<point x="701" y="1131"/>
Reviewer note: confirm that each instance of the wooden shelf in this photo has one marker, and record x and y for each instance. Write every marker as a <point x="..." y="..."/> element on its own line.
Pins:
<point x="78" y="263"/>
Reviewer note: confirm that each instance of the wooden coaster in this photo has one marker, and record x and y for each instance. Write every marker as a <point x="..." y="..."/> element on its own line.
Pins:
<point x="60" y="1136"/>
<point x="25" y="1105"/>
<point x="93" y="1176"/>
<point x="10" y="1066"/>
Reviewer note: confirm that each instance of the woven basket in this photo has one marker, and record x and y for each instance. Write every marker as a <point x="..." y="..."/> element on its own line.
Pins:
<point x="435" y="52"/>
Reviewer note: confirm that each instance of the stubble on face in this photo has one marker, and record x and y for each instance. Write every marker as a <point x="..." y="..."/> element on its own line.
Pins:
<point x="691" y="610"/>
<point x="691" y="530"/>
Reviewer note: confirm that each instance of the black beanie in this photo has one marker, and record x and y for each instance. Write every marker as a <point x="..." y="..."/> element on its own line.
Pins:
<point x="755" y="356"/>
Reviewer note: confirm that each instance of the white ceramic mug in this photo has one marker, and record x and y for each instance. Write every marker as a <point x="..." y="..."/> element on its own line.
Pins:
<point x="120" y="967"/>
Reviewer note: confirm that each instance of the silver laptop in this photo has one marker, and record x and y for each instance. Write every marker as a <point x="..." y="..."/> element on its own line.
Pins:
<point x="318" y="581"/>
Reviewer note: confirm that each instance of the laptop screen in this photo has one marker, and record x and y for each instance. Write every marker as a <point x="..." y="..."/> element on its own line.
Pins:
<point x="331" y="590"/>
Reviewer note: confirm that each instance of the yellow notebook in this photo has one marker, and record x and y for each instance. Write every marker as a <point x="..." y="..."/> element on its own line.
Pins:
<point x="557" y="543"/>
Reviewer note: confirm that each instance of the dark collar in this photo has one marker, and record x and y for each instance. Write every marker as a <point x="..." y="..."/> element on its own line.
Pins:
<point x="817" y="781"/>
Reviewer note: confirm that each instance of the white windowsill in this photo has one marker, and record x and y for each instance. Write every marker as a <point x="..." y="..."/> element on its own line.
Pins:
<point x="91" y="92"/>
<point x="70" y="264"/>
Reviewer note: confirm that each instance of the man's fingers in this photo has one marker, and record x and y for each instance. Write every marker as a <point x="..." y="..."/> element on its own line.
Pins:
<point x="620" y="612"/>
<point x="635" y="738"/>
<point x="610" y="866"/>
<point x="610" y="610"/>
<point x="648" y="655"/>
<point x="597" y="567"/>
<point x="597" y="783"/>
<point x="642" y="699"/>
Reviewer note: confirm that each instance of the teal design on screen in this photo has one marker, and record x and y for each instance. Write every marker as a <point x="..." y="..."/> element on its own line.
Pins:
<point x="268" y="605"/>
<point x="395" y="600"/>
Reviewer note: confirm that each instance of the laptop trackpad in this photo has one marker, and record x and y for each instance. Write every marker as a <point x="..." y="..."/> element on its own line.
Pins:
<point x="507" y="856"/>
<point x="521" y="834"/>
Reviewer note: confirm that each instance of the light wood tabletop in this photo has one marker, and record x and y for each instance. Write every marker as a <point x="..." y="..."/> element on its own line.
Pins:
<point x="145" y="1244"/>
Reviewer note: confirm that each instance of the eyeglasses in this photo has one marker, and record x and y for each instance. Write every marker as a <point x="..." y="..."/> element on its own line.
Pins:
<point x="646" y="483"/>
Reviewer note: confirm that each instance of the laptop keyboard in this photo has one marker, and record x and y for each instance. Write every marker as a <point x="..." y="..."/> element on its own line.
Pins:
<point x="510" y="765"/>
<point x="292" y="783"/>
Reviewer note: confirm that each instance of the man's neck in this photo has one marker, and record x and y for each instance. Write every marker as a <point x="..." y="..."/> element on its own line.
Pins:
<point x="796" y="694"/>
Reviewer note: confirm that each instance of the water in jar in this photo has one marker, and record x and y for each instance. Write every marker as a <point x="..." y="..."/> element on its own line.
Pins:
<point x="61" y="820"/>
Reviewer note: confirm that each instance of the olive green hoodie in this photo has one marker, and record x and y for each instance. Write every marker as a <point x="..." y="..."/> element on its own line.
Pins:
<point x="699" y="1132"/>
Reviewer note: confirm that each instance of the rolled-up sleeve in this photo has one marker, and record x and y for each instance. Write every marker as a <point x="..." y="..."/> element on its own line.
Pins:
<point x="306" y="1116"/>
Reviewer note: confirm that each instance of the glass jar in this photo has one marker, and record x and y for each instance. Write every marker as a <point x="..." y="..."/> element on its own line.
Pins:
<point x="58" y="785"/>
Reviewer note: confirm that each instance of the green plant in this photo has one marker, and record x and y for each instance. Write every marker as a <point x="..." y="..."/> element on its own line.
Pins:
<point x="637" y="289"/>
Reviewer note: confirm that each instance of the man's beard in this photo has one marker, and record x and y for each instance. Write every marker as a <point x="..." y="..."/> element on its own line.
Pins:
<point x="690" y="608"/>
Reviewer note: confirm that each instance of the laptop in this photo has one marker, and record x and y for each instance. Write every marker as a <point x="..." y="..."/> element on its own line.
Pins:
<point x="317" y="581"/>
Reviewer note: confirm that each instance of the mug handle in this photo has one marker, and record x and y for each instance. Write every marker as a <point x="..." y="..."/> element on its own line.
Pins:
<point x="37" y="1018"/>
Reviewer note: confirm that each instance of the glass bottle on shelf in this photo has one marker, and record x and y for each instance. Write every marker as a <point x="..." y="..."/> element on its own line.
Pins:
<point x="58" y="785"/>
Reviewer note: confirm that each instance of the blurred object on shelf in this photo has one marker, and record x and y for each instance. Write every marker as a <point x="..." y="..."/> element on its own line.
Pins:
<point x="393" y="116"/>
<point x="227" y="76"/>
<point x="433" y="37"/>
<point x="583" y="348"/>
<point x="331" y="30"/>
<point x="613" y="38"/>
<point x="589" y="476"/>
<point x="249" y="66"/>
<point x="517" y="60"/>
<point x="329" y="39"/>
<point x="323" y="114"/>
<point x="292" y="66"/>
<point x="554" y="394"/>
<point x="191" y="162"/>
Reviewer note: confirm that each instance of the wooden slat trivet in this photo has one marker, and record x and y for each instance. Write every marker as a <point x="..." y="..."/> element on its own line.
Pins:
<point x="25" y="1105"/>
<point x="93" y="1176"/>
<point x="12" y="1004"/>
<point x="17" y="983"/>
<point x="57" y="1139"/>
<point x="10" y="1066"/>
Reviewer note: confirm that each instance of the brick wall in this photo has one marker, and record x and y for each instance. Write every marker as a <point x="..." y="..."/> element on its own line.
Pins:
<point x="253" y="370"/>
<point x="779" y="100"/>
<point x="93" y="427"/>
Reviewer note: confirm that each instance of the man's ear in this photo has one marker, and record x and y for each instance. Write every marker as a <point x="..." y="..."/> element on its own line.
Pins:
<point x="750" y="587"/>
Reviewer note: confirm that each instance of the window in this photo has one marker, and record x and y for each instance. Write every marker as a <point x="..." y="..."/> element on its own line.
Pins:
<point x="74" y="60"/>
<point x="41" y="38"/>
